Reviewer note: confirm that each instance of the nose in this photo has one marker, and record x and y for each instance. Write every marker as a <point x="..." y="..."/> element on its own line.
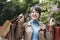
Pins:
<point x="34" y="13"/>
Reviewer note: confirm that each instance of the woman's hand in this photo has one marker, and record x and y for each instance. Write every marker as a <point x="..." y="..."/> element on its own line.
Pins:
<point x="21" y="18"/>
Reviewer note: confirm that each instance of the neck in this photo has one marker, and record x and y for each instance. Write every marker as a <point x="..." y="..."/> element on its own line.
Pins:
<point x="33" y="20"/>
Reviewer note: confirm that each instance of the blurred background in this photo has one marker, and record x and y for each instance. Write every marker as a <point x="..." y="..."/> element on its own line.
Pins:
<point x="10" y="9"/>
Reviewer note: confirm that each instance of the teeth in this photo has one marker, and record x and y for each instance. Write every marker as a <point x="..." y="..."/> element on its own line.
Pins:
<point x="34" y="16"/>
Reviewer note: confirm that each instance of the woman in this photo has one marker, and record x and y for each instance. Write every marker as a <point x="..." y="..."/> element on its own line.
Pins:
<point x="31" y="30"/>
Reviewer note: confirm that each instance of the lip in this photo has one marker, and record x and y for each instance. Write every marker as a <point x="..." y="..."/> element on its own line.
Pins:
<point x="34" y="16"/>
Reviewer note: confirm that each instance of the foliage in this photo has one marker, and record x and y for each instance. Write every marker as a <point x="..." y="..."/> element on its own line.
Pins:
<point x="56" y="15"/>
<point x="10" y="10"/>
<point x="46" y="6"/>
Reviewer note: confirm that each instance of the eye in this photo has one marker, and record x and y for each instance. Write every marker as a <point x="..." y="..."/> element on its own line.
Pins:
<point x="32" y="12"/>
<point x="37" y="12"/>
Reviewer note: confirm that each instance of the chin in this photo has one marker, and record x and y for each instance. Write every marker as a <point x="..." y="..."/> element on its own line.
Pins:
<point x="34" y="18"/>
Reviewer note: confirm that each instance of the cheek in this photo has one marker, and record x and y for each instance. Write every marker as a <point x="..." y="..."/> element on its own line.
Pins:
<point x="31" y="14"/>
<point x="38" y="15"/>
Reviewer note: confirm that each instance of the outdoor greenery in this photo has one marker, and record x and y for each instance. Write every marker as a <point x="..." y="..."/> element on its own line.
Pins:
<point x="56" y="15"/>
<point x="51" y="9"/>
<point x="11" y="9"/>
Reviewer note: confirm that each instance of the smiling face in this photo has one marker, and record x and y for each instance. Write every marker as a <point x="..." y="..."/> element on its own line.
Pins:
<point x="34" y="14"/>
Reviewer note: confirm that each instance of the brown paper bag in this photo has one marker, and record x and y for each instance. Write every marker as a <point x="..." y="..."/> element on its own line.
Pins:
<point x="5" y="29"/>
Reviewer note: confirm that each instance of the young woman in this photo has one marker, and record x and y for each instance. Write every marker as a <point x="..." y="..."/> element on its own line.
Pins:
<point x="31" y="30"/>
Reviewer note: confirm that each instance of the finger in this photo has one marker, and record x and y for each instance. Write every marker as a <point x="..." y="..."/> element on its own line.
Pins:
<point x="20" y="16"/>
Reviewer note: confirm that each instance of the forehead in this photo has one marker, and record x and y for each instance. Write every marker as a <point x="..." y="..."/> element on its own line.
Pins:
<point x="34" y="10"/>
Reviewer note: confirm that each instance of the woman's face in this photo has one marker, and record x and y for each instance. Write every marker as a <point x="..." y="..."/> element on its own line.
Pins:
<point x="34" y="14"/>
